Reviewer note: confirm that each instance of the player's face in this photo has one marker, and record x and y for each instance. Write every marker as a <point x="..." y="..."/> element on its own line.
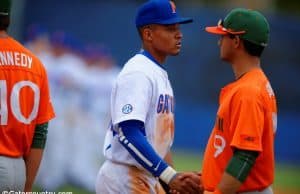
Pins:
<point x="226" y="44"/>
<point x="166" y="39"/>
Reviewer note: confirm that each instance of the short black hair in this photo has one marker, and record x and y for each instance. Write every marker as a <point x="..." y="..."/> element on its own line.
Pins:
<point x="4" y="22"/>
<point x="253" y="49"/>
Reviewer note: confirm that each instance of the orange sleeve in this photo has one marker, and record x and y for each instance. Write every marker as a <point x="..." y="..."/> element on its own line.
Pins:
<point x="46" y="111"/>
<point x="247" y="120"/>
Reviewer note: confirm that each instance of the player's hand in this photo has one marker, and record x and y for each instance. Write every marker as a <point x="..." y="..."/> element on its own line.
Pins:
<point x="186" y="183"/>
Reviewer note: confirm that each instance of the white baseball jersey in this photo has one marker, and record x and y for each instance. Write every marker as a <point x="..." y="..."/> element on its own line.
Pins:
<point x="142" y="92"/>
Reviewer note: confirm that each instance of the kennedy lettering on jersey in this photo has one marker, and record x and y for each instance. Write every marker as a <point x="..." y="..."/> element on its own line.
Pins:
<point x="15" y="59"/>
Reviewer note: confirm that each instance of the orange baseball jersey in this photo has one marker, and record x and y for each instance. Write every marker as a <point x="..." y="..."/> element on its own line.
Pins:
<point x="246" y="119"/>
<point x="25" y="99"/>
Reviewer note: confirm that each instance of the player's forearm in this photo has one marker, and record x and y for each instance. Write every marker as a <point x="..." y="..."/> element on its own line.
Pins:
<point x="237" y="171"/>
<point x="132" y="138"/>
<point x="32" y="163"/>
<point x="169" y="160"/>
<point x="228" y="185"/>
<point x="33" y="160"/>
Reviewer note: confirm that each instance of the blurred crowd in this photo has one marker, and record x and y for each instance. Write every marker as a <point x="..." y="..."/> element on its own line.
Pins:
<point x="81" y="77"/>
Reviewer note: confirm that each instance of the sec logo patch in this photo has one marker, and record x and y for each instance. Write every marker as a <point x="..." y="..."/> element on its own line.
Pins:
<point x="127" y="109"/>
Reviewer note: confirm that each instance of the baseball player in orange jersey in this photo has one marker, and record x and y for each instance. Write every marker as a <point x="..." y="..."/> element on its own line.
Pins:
<point x="239" y="157"/>
<point x="25" y="110"/>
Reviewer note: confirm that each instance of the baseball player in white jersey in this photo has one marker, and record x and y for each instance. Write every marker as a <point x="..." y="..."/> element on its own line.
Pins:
<point x="142" y="112"/>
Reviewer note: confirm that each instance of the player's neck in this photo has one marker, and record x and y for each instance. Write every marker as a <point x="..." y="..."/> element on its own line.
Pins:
<point x="3" y="34"/>
<point x="245" y="64"/>
<point x="160" y="58"/>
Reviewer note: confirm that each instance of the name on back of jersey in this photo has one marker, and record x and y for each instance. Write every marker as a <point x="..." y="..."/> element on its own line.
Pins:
<point x="165" y="104"/>
<point x="13" y="58"/>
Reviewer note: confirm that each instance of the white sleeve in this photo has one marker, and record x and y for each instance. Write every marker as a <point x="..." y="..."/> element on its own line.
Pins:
<point x="131" y="97"/>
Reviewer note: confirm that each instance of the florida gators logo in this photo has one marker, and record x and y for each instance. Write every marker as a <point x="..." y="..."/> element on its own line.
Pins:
<point x="173" y="6"/>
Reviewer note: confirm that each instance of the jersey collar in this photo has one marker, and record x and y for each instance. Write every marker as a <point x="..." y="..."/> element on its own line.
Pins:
<point x="149" y="56"/>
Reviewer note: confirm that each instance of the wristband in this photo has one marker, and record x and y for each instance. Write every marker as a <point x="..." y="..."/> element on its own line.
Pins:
<point x="168" y="174"/>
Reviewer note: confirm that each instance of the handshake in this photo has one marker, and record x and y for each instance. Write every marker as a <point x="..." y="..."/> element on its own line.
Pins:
<point x="185" y="183"/>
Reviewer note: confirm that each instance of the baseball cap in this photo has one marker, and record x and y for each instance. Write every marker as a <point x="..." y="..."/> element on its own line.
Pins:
<point x="249" y="24"/>
<point x="159" y="12"/>
<point x="5" y="7"/>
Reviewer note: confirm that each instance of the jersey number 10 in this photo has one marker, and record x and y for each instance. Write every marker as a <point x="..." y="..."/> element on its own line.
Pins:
<point x="15" y="102"/>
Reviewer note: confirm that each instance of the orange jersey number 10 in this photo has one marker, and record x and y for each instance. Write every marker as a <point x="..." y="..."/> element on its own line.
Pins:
<point x="15" y="104"/>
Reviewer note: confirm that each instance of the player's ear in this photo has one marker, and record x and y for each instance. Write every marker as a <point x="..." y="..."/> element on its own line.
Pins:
<point x="237" y="41"/>
<point x="147" y="33"/>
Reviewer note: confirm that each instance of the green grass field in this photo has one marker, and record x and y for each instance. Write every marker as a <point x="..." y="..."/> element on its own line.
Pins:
<point x="287" y="177"/>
